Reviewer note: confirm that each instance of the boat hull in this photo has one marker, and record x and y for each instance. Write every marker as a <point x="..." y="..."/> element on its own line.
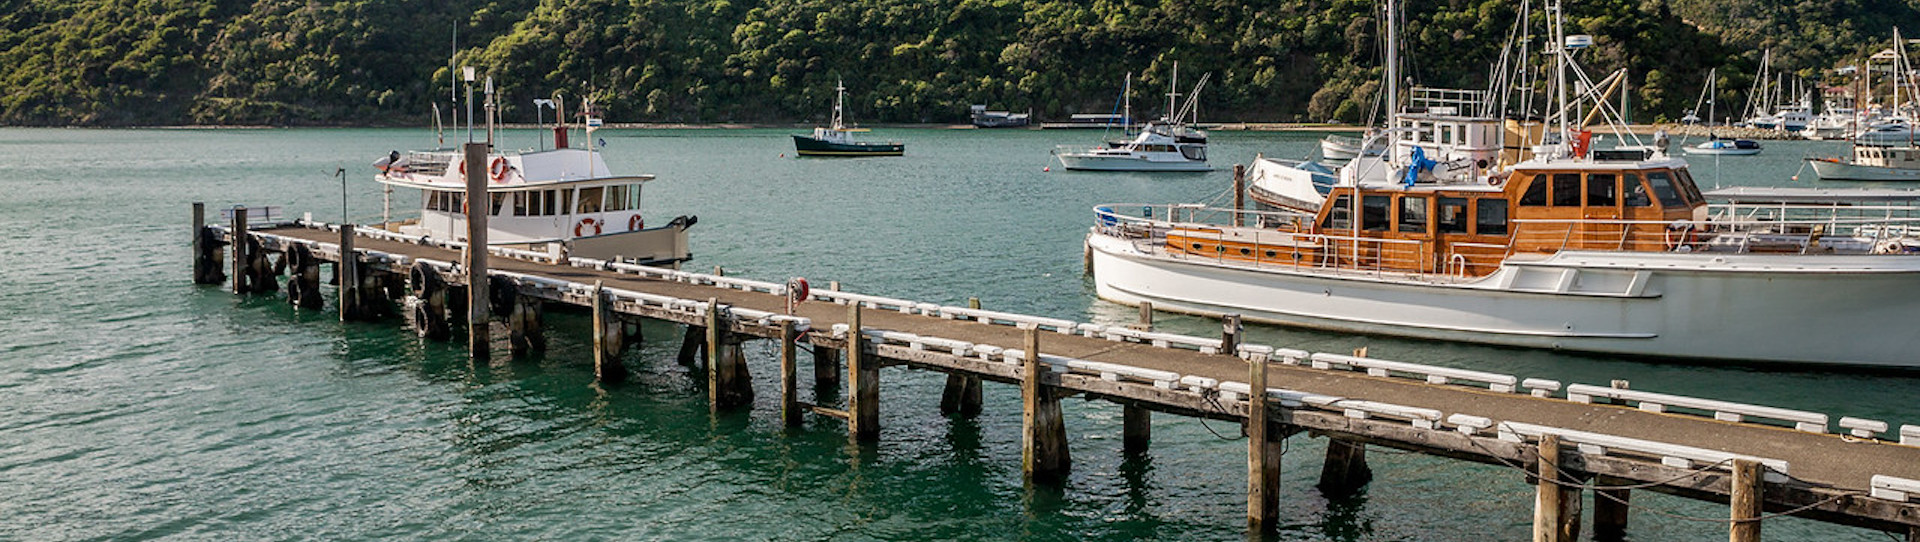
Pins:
<point x="1748" y="308"/>
<point x="1830" y="170"/>
<point x="809" y="146"/>
<point x="1102" y="162"/>
<point x="1722" y="151"/>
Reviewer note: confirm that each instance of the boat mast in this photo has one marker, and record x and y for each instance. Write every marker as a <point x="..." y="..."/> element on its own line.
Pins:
<point x="839" y="96"/>
<point x="1173" y="93"/>
<point x="1126" y="104"/>
<point x="1393" y="63"/>
<point x="1560" y="70"/>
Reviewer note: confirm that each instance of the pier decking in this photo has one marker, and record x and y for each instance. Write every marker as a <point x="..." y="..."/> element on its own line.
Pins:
<point x="1864" y="473"/>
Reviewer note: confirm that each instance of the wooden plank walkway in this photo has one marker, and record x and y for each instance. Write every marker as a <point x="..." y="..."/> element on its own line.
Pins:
<point x="1818" y="475"/>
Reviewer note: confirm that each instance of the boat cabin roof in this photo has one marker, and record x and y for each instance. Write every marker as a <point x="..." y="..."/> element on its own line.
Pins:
<point x="1769" y="194"/>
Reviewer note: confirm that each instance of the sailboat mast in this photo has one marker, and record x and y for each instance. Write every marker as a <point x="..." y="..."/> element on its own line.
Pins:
<point x="839" y="98"/>
<point x="1126" y="104"/>
<point x="1173" y="92"/>
<point x="1560" y="68"/>
<point x="1393" y="61"/>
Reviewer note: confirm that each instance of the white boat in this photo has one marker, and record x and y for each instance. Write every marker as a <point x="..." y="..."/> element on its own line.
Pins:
<point x="1169" y="144"/>
<point x="1277" y="184"/>
<point x="1611" y="251"/>
<point x="1726" y="147"/>
<point x="564" y="200"/>
<point x="1870" y="163"/>
<point x="1337" y="147"/>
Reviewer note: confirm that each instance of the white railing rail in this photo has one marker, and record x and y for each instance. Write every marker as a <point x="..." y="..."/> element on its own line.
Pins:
<point x="1811" y="422"/>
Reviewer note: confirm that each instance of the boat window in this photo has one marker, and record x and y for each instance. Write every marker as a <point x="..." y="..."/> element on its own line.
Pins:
<point x="1373" y="212"/>
<point x="590" y="200"/>
<point x="616" y="198"/>
<point x="1453" y="215"/>
<point x="1446" y="134"/>
<point x="546" y="203"/>
<point x="498" y="199"/>
<point x="1413" y="214"/>
<point x="456" y="202"/>
<point x="1566" y="190"/>
<point x="1536" y="194"/>
<point x="566" y="201"/>
<point x="1688" y="188"/>
<point x="1662" y="185"/>
<point x="1340" y="216"/>
<point x="1601" y="189"/>
<point x="1490" y="216"/>
<point x="431" y="201"/>
<point x="1636" y="192"/>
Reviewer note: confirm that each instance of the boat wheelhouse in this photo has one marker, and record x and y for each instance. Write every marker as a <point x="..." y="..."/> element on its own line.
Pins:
<point x="1172" y="143"/>
<point x="1870" y="163"/>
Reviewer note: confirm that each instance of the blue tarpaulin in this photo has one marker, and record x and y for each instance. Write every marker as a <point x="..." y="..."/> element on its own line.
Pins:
<point x="1417" y="162"/>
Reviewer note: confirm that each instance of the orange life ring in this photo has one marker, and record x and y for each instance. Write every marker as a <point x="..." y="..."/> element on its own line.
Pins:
<point x="1685" y="229"/>
<point x="635" y="223"/>
<point x="497" y="169"/>
<point x="579" y="230"/>
<point x="463" y="169"/>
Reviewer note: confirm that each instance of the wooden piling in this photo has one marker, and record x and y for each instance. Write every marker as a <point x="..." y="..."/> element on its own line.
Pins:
<point x="1239" y="192"/>
<point x="479" y="332"/>
<point x="1230" y="332"/>
<point x="1146" y="317"/>
<point x="1746" y="501"/>
<point x="1547" y="508"/>
<point x="863" y="376"/>
<point x="240" y="256"/>
<point x="1136" y="429"/>
<point x="1610" y="508"/>
<point x="728" y="385"/>
<point x="693" y="342"/>
<point x="963" y="391"/>
<point x="1263" y="454"/>
<point x="199" y="241"/>
<point x="608" y="339"/>
<point x="1345" y="470"/>
<point x="1044" y="457"/>
<point x="525" y="325"/>
<point x="349" y="277"/>
<point x="789" y="379"/>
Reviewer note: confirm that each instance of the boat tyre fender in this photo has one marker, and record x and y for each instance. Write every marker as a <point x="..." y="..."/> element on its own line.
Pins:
<point x="635" y="223"/>
<point x="585" y="225"/>
<point x="1679" y="236"/>
<point x="497" y="169"/>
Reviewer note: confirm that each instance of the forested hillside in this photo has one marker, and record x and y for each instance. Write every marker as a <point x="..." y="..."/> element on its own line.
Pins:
<point x="363" y="62"/>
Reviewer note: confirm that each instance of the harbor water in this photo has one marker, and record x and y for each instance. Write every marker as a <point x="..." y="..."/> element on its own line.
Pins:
<point x="140" y="406"/>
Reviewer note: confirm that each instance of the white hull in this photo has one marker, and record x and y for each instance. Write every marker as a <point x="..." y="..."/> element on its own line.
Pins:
<point x="1332" y="148"/>
<point x="1854" y="310"/>
<point x="1722" y="152"/>
<point x="1131" y="162"/>
<point x="1841" y="171"/>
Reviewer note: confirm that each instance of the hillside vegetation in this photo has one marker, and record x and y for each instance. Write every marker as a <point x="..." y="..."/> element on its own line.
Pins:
<point x="363" y="62"/>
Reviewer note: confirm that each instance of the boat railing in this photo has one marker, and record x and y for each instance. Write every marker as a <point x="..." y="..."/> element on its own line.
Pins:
<point x="1746" y="233"/>
<point x="432" y="163"/>
<point x="1265" y="239"/>
<point x="1463" y="102"/>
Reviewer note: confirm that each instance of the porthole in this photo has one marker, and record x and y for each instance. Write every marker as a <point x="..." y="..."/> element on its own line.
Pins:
<point x="1246" y="251"/>
<point x="1196" y="246"/>
<point x="1271" y="254"/>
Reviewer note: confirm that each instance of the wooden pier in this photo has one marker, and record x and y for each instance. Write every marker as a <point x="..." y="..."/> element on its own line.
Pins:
<point x="1562" y="438"/>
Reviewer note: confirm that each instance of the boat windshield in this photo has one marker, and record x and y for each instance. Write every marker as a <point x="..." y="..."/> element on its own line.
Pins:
<point x="1662" y="184"/>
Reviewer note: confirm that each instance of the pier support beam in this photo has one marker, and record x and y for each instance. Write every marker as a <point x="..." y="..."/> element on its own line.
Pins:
<point x="963" y="392"/>
<point x="1610" y="507"/>
<point x="526" y="316"/>
<point x="479" y="326"/>
<point x="609" y="339"/>
<point x="863" y="376"/>
<point x="1136" y="429"/>
<point x="1044" y="457"/>
<point x="728" y="384"/>
<point x="207" y="253"/>
<point x="826" y="369"/>
<point x="693" y="343"/>
<point x="1345" y="470"/>
<point x="241" y="260"/>
<point x="789" y="377"/>
<point x="353" y="298"/>
<point x="1263" y="453"/>
<point x="1746" y="501"/>
<point x="1556" y="511"/>
<point x="1239" y="192"/>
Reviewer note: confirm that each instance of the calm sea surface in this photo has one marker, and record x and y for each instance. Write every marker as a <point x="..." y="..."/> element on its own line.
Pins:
<point x="140" y="406"/>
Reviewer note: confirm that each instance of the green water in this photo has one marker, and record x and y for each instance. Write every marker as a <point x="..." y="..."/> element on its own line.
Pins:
<point x="139" y="406"/>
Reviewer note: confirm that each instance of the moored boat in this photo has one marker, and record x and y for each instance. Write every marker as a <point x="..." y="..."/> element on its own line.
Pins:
<point x="837" y="140"/>
<point x="1172" y="143"/>
<point x="1870" y="163"/>
<point x="1725" y="147"/>
<point x="1548" y="244"/>
<point x="563" y="200"/>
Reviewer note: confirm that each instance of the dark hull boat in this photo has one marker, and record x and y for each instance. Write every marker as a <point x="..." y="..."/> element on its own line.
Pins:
<point x="811" y="146"/>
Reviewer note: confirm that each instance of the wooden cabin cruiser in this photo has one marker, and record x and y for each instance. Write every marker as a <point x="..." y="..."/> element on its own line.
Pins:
<point x="1540" y="241"/>
<point x="1870" y="163"/>
<point x="837" y="140"/>
<point x="564" y="199"/>
<point x="1610" y="254"/>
